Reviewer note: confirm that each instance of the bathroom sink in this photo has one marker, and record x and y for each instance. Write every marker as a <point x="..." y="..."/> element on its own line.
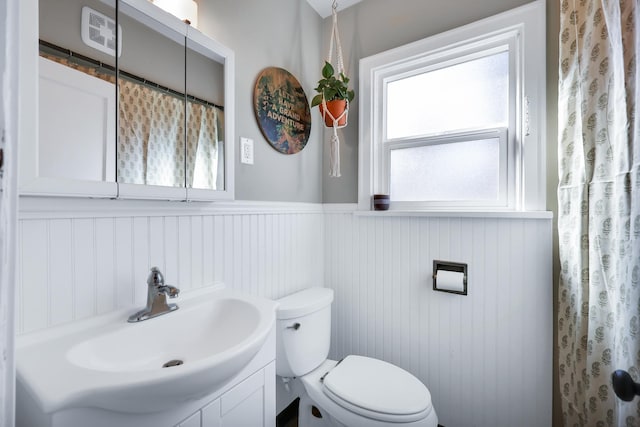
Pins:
<point x="149" y="366"/>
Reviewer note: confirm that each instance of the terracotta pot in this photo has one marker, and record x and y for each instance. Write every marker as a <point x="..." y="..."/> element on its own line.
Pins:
<point x="335" y="107"/>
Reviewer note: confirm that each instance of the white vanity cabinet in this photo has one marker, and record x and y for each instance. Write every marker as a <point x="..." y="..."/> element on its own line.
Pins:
<point x="249" y="403"/>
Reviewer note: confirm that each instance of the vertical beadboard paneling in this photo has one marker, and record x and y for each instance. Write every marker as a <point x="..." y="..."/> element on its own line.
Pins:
<point x="479" y="276"/>
<point x="141" y="259"/>
<point x="253" y="254"/>
<point x="19" y="308"/>
<point x="490" y="349"/>
<point x="84" y="268"/>
<point x="265" y="255"/>
<point x="156" y="243"/>
<point x="228" y="249"/>
<point x="218" y="248"/>
<point x="61" y="270"/>
<point x="379" y="269"/>
<point x="171" y="250"/>
<point x="485" y="357"/>
<point x="208" y="250"/>
<point x="77" y="267"/>
<point x="183" y="280"/>
<point x="104" y="265"/>
<point x="267" y="280"/>
<point x="242" y="260"/>
<point x="35" y="282"/>
<point x="124" y="271"/>
<point x="196" y="253"/>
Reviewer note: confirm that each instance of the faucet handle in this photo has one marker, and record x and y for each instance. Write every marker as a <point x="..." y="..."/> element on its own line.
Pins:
<point x="155" y="277"/>
<point x="172" y="291"/>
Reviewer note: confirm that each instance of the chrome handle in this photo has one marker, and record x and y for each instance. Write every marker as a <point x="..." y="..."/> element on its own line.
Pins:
<point x="171" y="291"/>
<point x="295" y="326"/>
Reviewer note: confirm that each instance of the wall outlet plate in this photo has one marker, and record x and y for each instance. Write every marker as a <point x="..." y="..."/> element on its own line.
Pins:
<point x="246" y="151"/>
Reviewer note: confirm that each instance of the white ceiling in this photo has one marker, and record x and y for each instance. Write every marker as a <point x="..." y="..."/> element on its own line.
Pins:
<point x="323" y="7"/>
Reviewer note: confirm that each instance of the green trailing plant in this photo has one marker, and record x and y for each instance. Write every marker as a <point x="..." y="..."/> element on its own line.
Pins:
<point x="332" y="87"/>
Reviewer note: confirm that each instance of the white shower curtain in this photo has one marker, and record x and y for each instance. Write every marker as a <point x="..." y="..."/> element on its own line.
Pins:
<point x="599" y="210"/>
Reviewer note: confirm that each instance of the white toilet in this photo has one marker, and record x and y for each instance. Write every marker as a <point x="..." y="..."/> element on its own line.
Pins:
<point x="357" y="391"/>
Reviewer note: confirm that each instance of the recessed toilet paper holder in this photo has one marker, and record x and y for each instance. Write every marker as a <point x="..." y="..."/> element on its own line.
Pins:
<point x="455" y="267"/>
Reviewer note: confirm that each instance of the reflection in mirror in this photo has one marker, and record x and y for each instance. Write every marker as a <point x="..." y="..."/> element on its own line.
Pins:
<point x="77" y="90"/>
<point x="151" y="130"/>
<point x="103" y="135"/>
<point x="205" y="119"/>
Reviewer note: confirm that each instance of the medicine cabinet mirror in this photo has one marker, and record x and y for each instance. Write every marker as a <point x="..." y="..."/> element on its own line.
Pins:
<point x="154" y="121"/>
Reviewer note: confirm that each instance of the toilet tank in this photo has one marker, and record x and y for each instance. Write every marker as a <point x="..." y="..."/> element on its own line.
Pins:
<point x="303" y="330"/>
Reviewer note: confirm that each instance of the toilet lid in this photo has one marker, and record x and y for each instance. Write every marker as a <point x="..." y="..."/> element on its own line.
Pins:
<point x="377" y="389"/>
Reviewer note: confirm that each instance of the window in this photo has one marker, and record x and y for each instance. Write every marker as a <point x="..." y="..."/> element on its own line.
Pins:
<point x="471" y="93"/>
<point x="455" y="121"/>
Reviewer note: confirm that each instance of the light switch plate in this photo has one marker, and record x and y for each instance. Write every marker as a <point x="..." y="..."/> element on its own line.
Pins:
<point x="246" y="151"/>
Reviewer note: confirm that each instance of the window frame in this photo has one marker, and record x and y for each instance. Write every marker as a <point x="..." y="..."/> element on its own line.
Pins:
<point x="521" y="32"/>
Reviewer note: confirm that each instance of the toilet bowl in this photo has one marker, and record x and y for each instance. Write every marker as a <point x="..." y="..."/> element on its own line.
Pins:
<point x="355" y="391"/>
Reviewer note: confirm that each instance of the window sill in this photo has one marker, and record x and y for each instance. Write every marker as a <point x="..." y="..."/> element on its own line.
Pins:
<point x="458" y="214"/>
<point x="352" y="208"/>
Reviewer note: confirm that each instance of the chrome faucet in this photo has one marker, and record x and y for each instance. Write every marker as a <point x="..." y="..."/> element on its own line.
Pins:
<point x="157" y="293"/>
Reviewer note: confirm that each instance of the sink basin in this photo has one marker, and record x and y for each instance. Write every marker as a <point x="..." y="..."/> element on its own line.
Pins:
<point x="149" y="366"/>
<point x="192" y="335"/>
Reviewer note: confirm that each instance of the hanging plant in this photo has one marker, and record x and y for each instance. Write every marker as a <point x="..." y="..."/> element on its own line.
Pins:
<point x="335" y="93"/>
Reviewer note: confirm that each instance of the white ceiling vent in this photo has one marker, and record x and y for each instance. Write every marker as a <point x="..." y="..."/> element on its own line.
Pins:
<point x="99" y="31"/>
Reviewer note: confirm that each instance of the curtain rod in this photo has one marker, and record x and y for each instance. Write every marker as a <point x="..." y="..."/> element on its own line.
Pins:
<point x="63" y="52"/>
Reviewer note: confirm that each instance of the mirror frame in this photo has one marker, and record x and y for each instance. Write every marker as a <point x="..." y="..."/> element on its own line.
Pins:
<point x="29" y="181"/>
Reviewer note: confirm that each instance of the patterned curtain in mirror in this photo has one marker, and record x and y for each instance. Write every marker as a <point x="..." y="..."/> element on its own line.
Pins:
<point x="204" y="146"/>
<point x="151" y="148"/>
<point x="151" y="144"/>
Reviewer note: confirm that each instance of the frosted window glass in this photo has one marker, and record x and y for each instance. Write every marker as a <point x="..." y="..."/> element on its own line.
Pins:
<point x="472" y="94"/>
<point x="458" y="171"/>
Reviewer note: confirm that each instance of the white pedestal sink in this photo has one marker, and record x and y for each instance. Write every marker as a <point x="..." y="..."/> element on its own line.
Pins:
<point x="107" y="363"/>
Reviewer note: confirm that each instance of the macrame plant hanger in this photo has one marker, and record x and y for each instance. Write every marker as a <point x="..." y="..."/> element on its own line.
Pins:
<point x="334" y="168"/>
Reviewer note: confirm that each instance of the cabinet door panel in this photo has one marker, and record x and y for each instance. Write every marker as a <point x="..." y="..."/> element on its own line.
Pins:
<point x="192" y="421"/>
<point x="242" y="391"/>
<point x="249" y="412"/>
<point x="211" y="415"/>
<point x="77" y="123"/>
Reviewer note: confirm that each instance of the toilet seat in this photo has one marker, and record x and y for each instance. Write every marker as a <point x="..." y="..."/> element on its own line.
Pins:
<point x="377" y="390"/>
<point x="316" y="392"/>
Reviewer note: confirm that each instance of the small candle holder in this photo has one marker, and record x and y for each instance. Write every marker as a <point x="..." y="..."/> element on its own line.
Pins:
<point x="381" y="202"/>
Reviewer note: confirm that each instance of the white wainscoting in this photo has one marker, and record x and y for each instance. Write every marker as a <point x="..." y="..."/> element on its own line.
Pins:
<point x="78" y="259"/>
<point x="486" y="357"/>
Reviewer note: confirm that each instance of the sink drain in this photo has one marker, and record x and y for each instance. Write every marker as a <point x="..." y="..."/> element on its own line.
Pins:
<point x="170" y="363"/>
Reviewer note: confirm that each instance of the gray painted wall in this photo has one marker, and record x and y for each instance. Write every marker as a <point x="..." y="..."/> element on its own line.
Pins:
<point x="279" y="33"/>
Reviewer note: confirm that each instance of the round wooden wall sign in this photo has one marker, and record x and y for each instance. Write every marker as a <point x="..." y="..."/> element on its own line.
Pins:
<point x="282" y="110"/>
